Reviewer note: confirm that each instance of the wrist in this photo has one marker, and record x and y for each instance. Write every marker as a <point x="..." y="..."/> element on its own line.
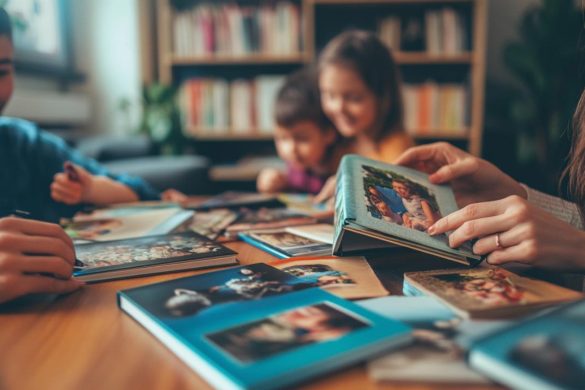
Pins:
<point x="88" y="189"/>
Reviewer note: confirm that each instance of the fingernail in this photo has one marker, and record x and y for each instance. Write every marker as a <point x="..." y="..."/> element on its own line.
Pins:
<point x="432" y="230"/>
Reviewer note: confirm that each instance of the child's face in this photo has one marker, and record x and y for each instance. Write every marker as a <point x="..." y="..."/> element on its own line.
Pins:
<point x="303" y="145"/>
<point x="347" y="101"/>
<point x="6" y="71"/>
<point x="401" y="189"/>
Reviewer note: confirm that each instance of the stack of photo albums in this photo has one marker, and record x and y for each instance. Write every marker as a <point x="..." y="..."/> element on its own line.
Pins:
<point x="274" y="325"/>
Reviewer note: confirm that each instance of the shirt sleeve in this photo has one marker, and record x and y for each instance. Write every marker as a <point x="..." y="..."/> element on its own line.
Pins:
<point x="560" y="208"/>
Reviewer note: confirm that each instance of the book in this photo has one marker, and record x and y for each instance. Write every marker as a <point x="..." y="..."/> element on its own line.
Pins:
<point x="347" y="277"/>
<point x="284" y="244"/>
<point x="321" y="232"/>
<point x="234" y="200"/>
<point x="380" y="205"/>
<point x="128" y="221"/>
<point x="487" y="292"/>
<point x="256" y="327"/>
<point x="436" y="355"/>
<point x="263" y="219"/>
<point x="541" y="352"/>
<point x="303" y="203"/>
<point x="149" y="255"/>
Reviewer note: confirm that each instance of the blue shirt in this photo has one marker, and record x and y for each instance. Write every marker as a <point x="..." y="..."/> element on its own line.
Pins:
<point x="30" y="158"/>
<point x="392" y="199"/>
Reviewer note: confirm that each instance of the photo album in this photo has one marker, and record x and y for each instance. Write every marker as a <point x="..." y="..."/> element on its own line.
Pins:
<point x="234" y="200"/>
<point x="486" y="292"/>
<point x="380" y="205"/>
<point x="284" y="244"/>
<point x="347" y="277"/>
<point x="148" y="255"/>
<point x="257" y="327"/>
<point x="266" y="218"/>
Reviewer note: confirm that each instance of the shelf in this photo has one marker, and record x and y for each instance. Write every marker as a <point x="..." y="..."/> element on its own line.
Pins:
<point x="250" y="59"/>
<point x="461" y="134"/>
<point x="425" y="58"/>
<point x="229" y="135"/>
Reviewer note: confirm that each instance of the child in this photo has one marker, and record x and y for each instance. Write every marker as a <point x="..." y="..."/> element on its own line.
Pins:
<point x="304" y="137"/>
<point x="420" y="215"/>
<point x="360" y="94"/>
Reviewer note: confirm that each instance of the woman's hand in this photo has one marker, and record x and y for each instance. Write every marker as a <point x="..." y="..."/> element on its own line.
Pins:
<point x="172" y="195"/>
<point x="34" y="257"/>
<point x="271" y="180"/>
<point x="512" y="230"/>
<point x="473" y="179"/>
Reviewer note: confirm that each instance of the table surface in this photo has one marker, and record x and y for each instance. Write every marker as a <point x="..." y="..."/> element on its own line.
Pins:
<point x="83" y="340"/>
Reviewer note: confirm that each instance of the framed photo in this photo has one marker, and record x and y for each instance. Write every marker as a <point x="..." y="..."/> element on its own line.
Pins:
<point x="40" y="31"/>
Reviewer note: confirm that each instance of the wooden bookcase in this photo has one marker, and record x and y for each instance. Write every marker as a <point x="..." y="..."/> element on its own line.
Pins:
<point x="323" y="19"/>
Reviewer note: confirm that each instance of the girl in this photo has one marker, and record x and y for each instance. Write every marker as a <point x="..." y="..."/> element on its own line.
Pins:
<point x="420" y="214"/>
<point x="361" y="95"/>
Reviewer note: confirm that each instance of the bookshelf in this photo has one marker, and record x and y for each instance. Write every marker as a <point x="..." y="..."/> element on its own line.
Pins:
<point x="447" y="68"/>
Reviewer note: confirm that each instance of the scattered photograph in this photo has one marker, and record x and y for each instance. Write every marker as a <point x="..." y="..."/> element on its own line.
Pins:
<point x="268" y="219"/>
<point x="347" y="277"/>
<point x="285" y="332"/>
<point x="394" y="198"/>
<point x="172" y="246"/>
<point x="320" y="275"/>
<point x="289" y="244"/>
<point x="92" y="229"/>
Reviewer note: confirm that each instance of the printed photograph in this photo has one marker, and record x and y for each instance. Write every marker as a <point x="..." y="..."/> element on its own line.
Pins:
<point x="283" y="240"/>
<point x="396" y="199"/>
<point x="491" y="287"/>
<point x="92" y="230"/>
<point x="201" y="294"/>
<point x="145" y="249"/>
<point x="320" y="275"/>
<point x="285" y="332"/>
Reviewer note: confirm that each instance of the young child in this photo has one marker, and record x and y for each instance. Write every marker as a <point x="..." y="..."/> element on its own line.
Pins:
<point x="361" y="94"/>
<point x="304" y="137"/>
<point x="420" y="215"/>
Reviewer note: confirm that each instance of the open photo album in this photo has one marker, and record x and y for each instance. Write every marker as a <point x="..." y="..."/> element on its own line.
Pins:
<point x="379" y="205"/>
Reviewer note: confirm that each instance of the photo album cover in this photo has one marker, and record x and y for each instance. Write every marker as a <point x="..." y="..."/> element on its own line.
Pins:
<point x="119" y="223"/>
<point x="149" y="255"/>
<point x="283" y="244"/>
<point x="487" y="292"/>
<point x="256" y="327"/>
<point x="542" y="352"/>
<point x="347" y="277"/>
<point x="382" y="205"/>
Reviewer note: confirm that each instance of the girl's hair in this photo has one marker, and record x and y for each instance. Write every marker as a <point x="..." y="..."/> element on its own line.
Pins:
<point x="575" y="170"/>
<point x="365" y="54"/>
<point x="298" y="100"/>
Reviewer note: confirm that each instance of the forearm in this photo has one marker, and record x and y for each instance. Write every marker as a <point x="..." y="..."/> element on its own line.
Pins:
<point x="104" y="191"/>
<point x="560" y="208"/>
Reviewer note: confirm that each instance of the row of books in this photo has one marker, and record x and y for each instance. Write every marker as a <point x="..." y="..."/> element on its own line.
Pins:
<point x="236" y="30"/>
<point x="219" y="107"/>
<point x="433" y="107"/>
<point x="441" y="31"/>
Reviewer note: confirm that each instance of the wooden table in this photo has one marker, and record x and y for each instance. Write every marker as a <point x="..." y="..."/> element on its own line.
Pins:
<point x="83" y="341"/>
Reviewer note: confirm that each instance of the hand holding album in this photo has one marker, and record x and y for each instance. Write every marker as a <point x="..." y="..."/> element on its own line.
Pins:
<point x="472" y="179"/>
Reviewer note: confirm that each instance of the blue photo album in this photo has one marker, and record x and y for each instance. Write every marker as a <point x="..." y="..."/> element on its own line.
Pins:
<point x="256" y="327"/>
<point x="380" y="205"/>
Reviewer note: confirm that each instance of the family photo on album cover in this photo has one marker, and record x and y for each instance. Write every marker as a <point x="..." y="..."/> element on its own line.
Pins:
<point x="394" y="198"/>
<point x="286" y="331"/>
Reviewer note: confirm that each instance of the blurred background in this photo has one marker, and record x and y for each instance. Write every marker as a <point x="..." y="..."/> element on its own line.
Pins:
<point x="185" y="83"/>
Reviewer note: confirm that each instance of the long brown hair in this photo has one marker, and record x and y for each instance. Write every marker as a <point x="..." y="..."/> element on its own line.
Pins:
<point x="574" y="173"/>
<point x="364" y="53"/>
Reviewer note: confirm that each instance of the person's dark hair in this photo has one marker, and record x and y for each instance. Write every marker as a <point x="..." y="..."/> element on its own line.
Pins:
<point x="5" y="24"/>
<point x="298" y="100"/>
<point x="363" y="52"/>
<point x="574" y="173"/>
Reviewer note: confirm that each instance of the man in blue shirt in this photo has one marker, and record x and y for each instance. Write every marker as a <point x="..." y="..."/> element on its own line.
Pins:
<point x="38" y="256"/>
